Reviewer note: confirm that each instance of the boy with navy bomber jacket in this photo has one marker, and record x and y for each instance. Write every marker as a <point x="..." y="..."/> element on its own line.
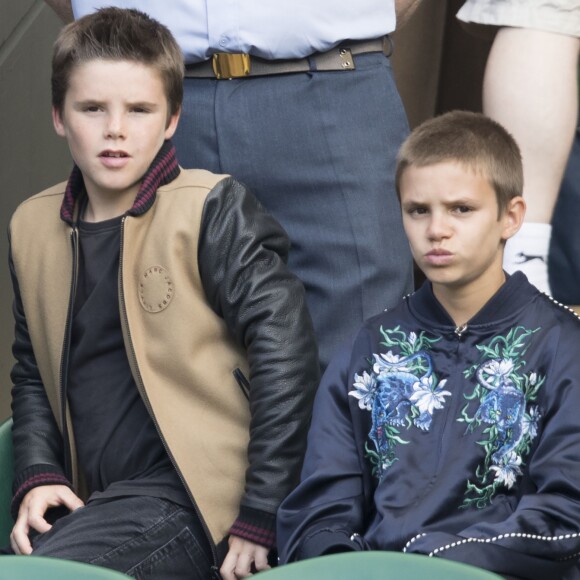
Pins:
<point x="144" y="296"/>
<point x="449" y="425"/>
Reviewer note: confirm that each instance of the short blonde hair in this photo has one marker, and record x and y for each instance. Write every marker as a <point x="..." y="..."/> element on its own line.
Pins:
<point x="118" y="34"/>
<point x="472" y="140"/>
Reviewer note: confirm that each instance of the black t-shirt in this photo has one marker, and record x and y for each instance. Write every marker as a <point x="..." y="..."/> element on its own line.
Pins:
<point x="118" y="446"/>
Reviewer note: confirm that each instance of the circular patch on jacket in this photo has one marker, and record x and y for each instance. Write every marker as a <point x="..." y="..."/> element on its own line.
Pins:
<point x="155" y="289"/>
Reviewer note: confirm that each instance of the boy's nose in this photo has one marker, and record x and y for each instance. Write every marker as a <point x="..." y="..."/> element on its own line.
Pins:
<point x="115" y="127"/>
<point x="438" y="227"/>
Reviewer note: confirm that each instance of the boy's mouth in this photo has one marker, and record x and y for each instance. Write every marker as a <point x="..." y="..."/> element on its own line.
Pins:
<point x="114" y="154"/>
<point x="114" y="159"/>
<point x="438" y="252"/>
<point x="439" y="257"/>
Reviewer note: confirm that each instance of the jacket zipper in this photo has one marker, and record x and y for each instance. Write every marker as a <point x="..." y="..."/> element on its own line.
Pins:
<point x="453" y="407"/>
<point x="242" y="381"/>
<point x="459" y="330"/>
<point x="64" y="361"/>
<point x="141" y="389"/>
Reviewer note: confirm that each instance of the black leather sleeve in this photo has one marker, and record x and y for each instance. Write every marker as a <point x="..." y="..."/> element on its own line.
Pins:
<point x="36" y="438"/>
<point x="242" y="254"/>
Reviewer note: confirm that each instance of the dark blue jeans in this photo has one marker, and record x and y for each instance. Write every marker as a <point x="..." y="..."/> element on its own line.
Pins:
<point x="318" y="150"/>
<point x="145" y="537"/>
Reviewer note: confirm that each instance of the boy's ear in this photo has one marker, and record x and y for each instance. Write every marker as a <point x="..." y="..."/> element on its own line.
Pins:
<point x="172" y="124"/>
<point x="513" y="216"/>
<point x="58" y="122"/>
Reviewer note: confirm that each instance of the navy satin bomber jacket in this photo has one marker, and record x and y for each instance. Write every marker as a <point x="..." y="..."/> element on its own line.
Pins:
<point x="461" y="443"/>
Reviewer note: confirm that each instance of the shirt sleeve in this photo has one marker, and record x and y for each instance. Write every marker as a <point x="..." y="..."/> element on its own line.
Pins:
<point x="36" y="439"/>
<point x="242" y="254"/>
<point x="325" y="513"/>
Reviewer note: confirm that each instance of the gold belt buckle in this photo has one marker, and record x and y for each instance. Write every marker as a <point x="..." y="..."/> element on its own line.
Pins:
<point x="228" y="65"/>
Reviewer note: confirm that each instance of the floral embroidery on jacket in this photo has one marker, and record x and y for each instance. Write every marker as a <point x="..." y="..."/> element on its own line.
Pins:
<point x="505" y="394"/>
<point x="401" y="390"/>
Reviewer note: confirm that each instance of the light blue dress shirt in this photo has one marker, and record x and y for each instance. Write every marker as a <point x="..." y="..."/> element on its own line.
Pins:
<point x="267" y="28"/>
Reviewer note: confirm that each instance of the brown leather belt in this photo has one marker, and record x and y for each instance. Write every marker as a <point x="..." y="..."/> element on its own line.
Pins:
<point x="225" y="65"/>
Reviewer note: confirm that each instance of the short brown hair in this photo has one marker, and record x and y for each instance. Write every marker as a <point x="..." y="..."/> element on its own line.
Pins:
<point x="118" y="34"/>
<point x="472" y="140"/>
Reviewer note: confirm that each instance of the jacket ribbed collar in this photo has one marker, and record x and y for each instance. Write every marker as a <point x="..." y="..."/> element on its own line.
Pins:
<point x="163" y="169"/>
<point x="506" y="303"/>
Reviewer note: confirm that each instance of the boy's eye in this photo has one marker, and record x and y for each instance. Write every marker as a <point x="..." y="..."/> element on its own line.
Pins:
<point x="462" y="209"/>
<point x="416" y="210"/>
<point x="92" y="108"/>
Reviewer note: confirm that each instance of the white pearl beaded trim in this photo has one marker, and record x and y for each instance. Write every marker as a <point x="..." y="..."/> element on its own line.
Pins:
<point x="495" y="539"/>
<point x="559" y="304"/>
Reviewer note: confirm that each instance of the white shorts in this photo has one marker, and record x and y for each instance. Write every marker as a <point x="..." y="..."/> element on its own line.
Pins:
<point x="560" y="16"/>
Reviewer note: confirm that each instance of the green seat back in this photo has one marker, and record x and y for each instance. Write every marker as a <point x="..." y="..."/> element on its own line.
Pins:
<point x="6" y="476"/>
<point x="28" y="567"/>
<point x="377" y="566"/>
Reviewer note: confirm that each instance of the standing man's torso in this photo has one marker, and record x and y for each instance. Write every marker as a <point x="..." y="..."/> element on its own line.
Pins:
<point x="263" y="28"/>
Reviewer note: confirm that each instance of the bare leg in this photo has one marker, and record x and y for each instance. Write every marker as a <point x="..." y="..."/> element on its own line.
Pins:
<point x="531" y="87"/>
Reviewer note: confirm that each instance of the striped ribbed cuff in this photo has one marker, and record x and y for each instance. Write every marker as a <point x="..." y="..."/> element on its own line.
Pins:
<point x="256" y="526"/>
<point x="32" y="477"/>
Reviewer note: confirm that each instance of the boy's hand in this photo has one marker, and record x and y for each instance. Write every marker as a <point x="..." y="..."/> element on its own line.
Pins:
<point x="243" y="557"/>
<point x="32" y="509"/>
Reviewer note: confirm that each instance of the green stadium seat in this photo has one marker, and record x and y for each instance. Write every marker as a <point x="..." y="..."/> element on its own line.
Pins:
<point x="377" y="566"/>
